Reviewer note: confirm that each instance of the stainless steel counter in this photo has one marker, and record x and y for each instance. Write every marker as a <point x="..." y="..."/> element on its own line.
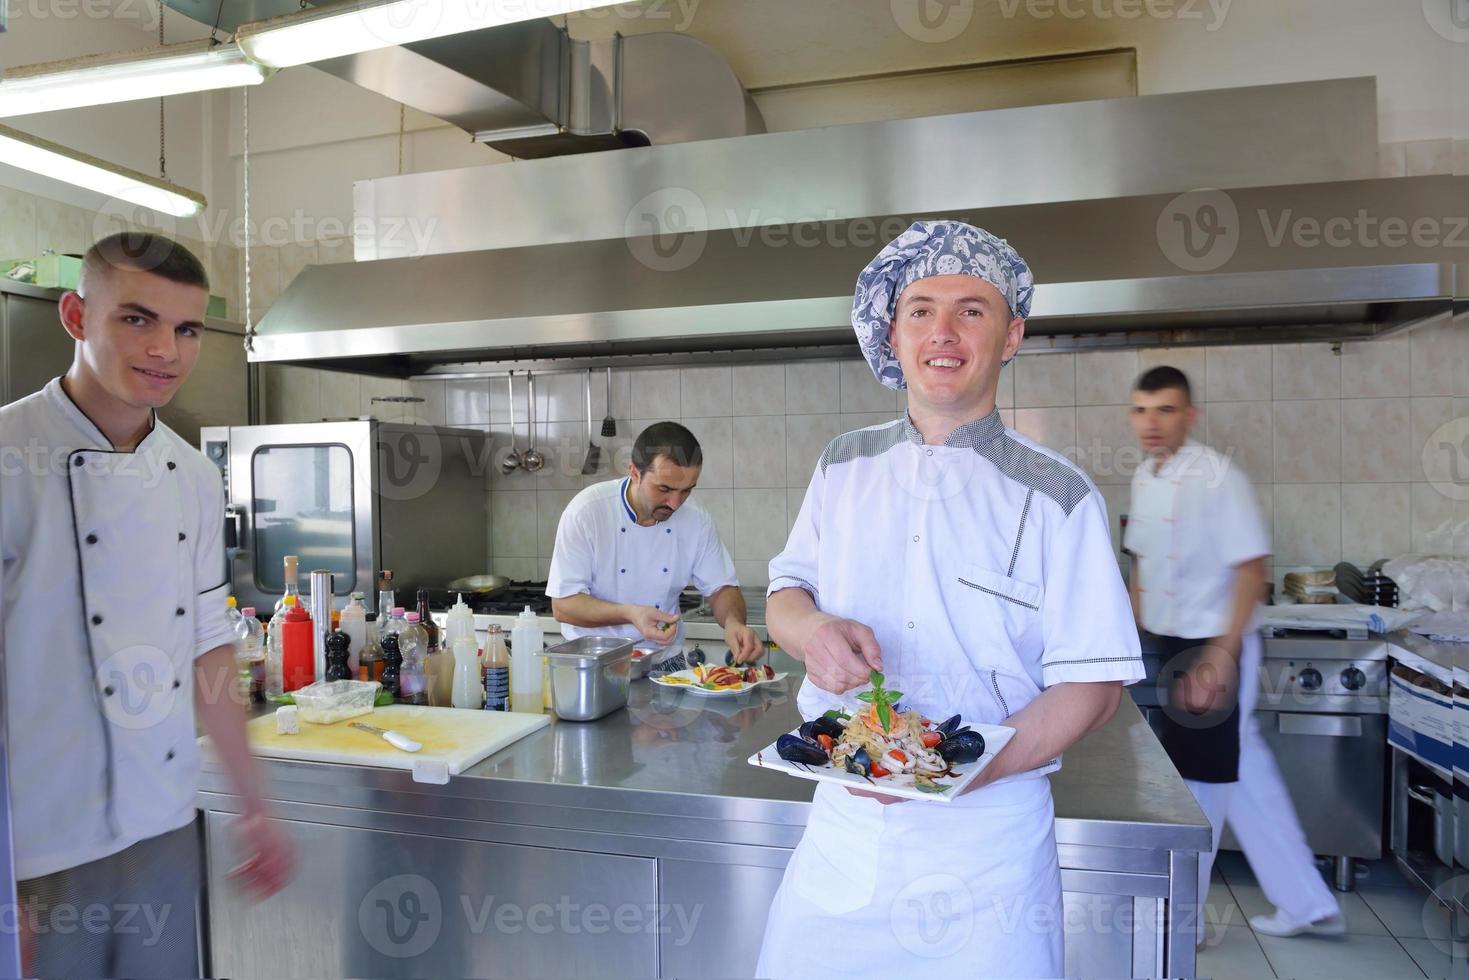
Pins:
<point x="1439" y="660"/>
<point x="658" y="799"/>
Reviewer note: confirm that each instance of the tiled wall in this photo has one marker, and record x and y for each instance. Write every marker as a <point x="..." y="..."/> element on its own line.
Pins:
<point x="1333" y="442"/>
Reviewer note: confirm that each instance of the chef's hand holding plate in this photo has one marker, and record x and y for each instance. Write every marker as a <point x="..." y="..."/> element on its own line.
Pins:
<point x="655" y="624"/>
<point x="743" y="643"/>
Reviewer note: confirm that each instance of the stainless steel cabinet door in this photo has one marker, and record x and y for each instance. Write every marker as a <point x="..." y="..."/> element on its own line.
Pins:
<point x="36" y="348"/>
<point x="370" y="904"/>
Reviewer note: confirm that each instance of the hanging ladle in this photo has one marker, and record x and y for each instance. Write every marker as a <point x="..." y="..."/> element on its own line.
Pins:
<point x="511" y="462"/>
<point x="532" y="460"/>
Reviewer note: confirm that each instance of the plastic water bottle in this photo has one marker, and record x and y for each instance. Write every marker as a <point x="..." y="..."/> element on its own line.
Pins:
<point x="526" y="643"/>
<point x="232" y="612"/>
<point x="469" y="689"/>
<point x="250" y="655"/>
<point x="413" y="642"/>
<point x="354" y="624"/>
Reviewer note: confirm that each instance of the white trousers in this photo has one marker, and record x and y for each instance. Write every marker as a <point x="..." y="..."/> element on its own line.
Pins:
<point x="1259" y="809"/>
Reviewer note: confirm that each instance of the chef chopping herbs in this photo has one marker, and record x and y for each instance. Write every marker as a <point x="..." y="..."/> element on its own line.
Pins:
<point x="974" y="570"/>
<point x="115" y="640"/>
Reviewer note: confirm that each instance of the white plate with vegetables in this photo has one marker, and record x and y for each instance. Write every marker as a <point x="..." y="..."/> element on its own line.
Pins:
<point x="884" y="750"/>
<point x="720" y="681"/>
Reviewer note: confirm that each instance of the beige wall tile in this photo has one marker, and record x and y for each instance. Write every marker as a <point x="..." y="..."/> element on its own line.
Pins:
<point x="1245" y="433"/>
<point x="60" y="228"/>
<point x="1054" y="428"/>
<point x="656" y="393"/>
<point x="760" y="451"/>
<point x="430" y="411"/>
<point x="1392" y="160"/>
<point x="1424" y="157"/>
<point x="1436" y="522"/>
<point x="1377" y="369"/>
<point x="513" y="526"/>
<point x="1307" y="523"/>
<point x="1192" y="361"/>
<point x="707" y="392"/>
<point x="1461" y="157"/>
<point x="760" y="524"/>
<point x="564" y="446"/>
<point x="1308" y="441"/>
<point x="467" y="402"/>
<point x="264" y="279"/>
<point x="294" y="257"/>
<point x="1431" y="461"/>
<point x="1107" y="448"/>
<point x="807" y="437"/>
<point x="1045" y="380"/>
<point x="861" y="392"/>
<point x="753" y="574"/>
<point x="760" y="389"/>
<point x="1105" y="377"/>
<point x="813" y="387"/>
<point x="341" y="394"/>
<point x="716" y="439"/>
<point x="560" y="398"/>
<point x="1238" y="374"/>
<point x="519" y="569"/>
<point x="1376" y="521"/>
<point x="719" y="505"/>
<point x="17" y="224"/>
<point x="621" y="396"/>
<point x="550" y="504"/>
<point x="334" y="251"/>
<point x="224" y="278"/>
<point x="1439" y="358"/>
<point x="1376" y="440"/>
<point x="300" y="394"/>
<point x="1306" y="371"/>
<point x="370" y="387"/>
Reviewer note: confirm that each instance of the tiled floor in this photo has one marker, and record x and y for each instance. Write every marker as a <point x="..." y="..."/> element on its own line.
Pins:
<point x="1393" y="931"/>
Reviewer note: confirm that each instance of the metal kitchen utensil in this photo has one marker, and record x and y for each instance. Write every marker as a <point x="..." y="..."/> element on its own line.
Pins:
<point x="479" y="585"/>
<point x="594" y="451"/>
<point x="396" y="739"/>
<point x="609" y="424"/>
<point x="532" y="460"/>
<point x="511" y="462"/>
<point x="589" y="676"/>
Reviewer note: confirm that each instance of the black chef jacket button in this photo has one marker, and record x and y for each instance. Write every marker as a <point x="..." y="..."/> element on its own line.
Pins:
<point x="179" y="611"/>
<point x="78" y="461"/>
<point x="91" y="539"/>
<point x="173" y="466"/>
<point x="175" y="682"/>
<point x="169" y="757"/>
<point x="182" y="535"/>
<point x="107" y="690"/>
<point x="96" y="620"/>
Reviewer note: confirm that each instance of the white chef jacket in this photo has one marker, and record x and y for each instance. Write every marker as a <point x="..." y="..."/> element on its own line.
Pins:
<point x="1191" y="522"/>
<point x="989" y="556"/>
<point x="602" y="551"/>
<point x="112" y="567"/>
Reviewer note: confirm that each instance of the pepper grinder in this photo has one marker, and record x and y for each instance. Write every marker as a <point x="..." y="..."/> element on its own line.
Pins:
<point x="392" y="664"/>
<point x="338" y="649"/>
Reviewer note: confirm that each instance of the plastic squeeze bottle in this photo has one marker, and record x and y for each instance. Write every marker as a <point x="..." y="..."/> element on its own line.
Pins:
<point x="526" y="642"/>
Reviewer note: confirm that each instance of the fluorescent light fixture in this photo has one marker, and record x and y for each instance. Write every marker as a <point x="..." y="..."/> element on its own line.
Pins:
<point x="59" y="163"/>
<point x="171" y="70"/>
<point x="353" y="26"/>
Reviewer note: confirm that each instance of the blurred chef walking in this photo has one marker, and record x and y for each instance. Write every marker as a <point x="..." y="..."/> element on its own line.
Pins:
<point x="114" y="638"/>
<point x="975" y="569"/>
<point x="1199" y="572"/>
<point x="626" y="548"/>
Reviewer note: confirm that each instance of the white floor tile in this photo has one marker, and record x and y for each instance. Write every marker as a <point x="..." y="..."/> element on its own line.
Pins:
<point x="1360" y="918"/>
<point x="1234" y="955"/>
<point x="1408" y="913"/>
<point x="1338" y="958"/>
<point x="1382" y="873"/>
<point x="1431" y="956"/>
<point x="1222" y="912"/>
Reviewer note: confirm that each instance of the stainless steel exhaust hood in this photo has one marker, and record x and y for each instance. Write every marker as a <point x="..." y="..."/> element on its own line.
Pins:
<point x="755" y="243"/>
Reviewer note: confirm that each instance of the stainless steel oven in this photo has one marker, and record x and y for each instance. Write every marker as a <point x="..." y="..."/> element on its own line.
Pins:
<point x="352" y="498"/>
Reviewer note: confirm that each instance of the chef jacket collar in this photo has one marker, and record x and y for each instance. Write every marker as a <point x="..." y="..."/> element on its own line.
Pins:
<point x="970" y="435"/>
<point x="1177" y="461"/>
<point x="61" y="401"/>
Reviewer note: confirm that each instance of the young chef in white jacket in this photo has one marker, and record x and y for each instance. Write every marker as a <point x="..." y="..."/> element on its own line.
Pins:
<point x="626" y="548"/>
<point x="974" y="568"/>
<point x="114" y="638"/>
<point x="1200" y="553"/>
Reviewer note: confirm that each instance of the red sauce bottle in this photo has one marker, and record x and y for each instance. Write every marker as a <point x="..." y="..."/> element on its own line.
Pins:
<point x="298" y="649"/>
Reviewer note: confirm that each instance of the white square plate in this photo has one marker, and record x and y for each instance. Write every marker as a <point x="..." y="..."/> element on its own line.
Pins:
<point x="691" y="685"/>
<point x="995" y="739"/>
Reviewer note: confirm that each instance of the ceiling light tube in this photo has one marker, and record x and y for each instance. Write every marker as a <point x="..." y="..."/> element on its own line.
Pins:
<point x="197" y="66"/>
<point x="351" y="27"/>
<point x="59" y="163"/>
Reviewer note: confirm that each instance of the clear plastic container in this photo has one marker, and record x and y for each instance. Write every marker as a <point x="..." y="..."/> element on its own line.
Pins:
<point x="328" y="702"/>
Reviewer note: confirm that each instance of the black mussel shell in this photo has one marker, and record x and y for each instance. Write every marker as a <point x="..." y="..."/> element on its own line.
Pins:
<point x="793" y="748"/>
<point x="729" y="658"/>
<point x="822" y="726"/>
<point x="948" y="726"/>
<point x="860" y="763"/>
<point x="962" y="747"/>
<point x="695" y="657"/>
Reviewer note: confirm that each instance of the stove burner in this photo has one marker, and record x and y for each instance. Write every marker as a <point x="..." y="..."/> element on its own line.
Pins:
<point x="515" y="597"/>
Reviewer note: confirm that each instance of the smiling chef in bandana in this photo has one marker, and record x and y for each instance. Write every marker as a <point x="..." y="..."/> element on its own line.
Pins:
<point x="975" y="569"/>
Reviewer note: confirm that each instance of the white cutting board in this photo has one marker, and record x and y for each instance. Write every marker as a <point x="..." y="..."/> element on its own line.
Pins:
<point x="453" y="739"/>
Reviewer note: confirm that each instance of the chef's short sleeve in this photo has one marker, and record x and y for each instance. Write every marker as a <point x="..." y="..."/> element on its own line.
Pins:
<point x="1234" y="519"/>
<point x="713" y="568"/>
<point x="1087" y="627"/>
<point x="795" y="567"/>
<point x="573" y="559"/>
<point x="211" y="623"/>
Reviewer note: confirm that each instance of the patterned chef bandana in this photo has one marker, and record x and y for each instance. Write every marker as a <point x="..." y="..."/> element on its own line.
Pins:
<point x="930" y="248"/>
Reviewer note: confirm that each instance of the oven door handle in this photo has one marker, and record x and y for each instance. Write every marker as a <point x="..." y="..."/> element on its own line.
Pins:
<point x="1331" y="726"/>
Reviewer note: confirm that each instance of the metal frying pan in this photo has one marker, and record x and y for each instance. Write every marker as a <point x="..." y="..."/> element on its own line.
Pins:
<point x="479" y="585"/>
